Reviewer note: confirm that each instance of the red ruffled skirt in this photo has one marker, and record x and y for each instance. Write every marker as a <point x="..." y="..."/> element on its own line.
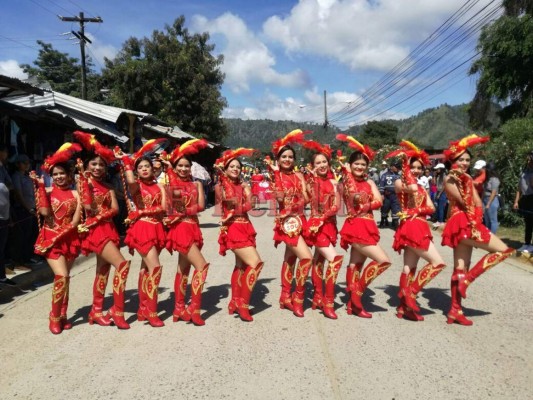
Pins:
<point x="182" y="235"/>
<point x="236" y="236"/>
<point x="359" y="231"/>
<point x="68" y="246"/>
<point x="98" y="236"/>
<point x="280" y="236"/>
<point x="145" y="234"/>
<point x="457" y="228"/>
<point x="413" y="233"/>
<point x="326" y="235"/>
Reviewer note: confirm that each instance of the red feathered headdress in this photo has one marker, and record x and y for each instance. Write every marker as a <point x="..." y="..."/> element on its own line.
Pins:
<point x="62" y="155"/>
<point x="458" y="147"/>
<point x="192" y="146"/>
<point x="89" y="143"/>
<point x="318" y="148"/>
<point x="411" y="151"/>
<point x="295" y="136"/>
<point x="229" y="155"/>
<point x="151" y="146"/>
<point x="354" y="144"/>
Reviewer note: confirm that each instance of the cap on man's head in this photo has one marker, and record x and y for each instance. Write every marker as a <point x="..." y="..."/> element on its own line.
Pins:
<point x="480" y="164"/>
<point x="22" y="158"/>
<point x="384" y="163"/>
<point x="439" y="166"/>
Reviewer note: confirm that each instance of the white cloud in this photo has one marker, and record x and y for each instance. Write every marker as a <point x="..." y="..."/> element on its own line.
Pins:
<point x="308" y="108"/>
<point x="361" y="34"/>
<point x="11" y="68"/>
<point x="99" y="50"/>
<point x="246" y="59"/>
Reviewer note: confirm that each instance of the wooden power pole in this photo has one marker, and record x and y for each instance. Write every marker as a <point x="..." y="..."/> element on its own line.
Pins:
<point x="83" y="39"/>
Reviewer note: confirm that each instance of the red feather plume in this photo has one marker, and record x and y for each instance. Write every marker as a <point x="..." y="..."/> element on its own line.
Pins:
<point x="410" y="151"/>
<point x="318" y="148"/>
<point x="356" y="145"/>
<point x="458" y="147"/>
<point x="63" y="154"/>
<point x="295" y="136"/>
<point x="192" y="146"/>
<point x="149" y="147"/>
<point x="91" y="144"/>
<point x="229" y="155"/>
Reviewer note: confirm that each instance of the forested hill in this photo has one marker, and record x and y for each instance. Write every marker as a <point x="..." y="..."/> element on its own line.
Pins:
<point x="431" y="129"/>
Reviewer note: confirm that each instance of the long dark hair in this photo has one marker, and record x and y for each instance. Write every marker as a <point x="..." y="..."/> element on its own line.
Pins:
<point x="357" y="155"/>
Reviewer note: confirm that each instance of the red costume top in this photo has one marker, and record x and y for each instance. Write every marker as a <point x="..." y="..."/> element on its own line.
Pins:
<point x="237" y="232"/>
<point x="323" y="222"/>
<point x="414" y="230"/>
<point x="101" y="228"/>
<point x="58" y="237"/>
<point x="359" y="226"/>
<point x="182" y="221"/>
<point x="290" y="220"/>
<point x="465" y="221"/>
<point x="146" y="227"/>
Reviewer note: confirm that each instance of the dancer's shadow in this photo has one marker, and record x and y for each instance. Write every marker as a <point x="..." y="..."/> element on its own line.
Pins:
<point x="440" y="299"/>
<point x="209" y="225"/>
<point x="368" y="302"/>
<point x="258" y="296"/>
<point x="211" y="297"/>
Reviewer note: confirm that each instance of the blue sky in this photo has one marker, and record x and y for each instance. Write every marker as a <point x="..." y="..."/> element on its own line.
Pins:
<point x="279" y="55"/>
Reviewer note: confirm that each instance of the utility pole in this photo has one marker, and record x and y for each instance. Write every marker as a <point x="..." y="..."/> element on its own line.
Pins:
<point x="83" y="39"/>
<point x="326" y="122"/>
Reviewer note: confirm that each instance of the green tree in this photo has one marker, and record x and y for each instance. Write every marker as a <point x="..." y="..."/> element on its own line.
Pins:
<point x="172" y="75"/>
<point x="62" y="72"/>
<point x="505" y="65"/>
<point x="377" y="134"/>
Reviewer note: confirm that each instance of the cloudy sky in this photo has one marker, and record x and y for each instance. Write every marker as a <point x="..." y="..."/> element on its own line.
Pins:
<point x="281" y="55"/>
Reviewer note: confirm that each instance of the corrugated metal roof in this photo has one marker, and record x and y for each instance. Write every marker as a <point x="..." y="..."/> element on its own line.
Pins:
<point x="173" y="132"/>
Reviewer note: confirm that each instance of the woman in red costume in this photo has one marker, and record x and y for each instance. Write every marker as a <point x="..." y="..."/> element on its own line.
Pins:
<point x="145" y="232"/>
<point x="236" y="232"/>
<point x="322" y="227"/>
<point x="289" y="190"/>
<point x="58" y="239"/>
<point x="413" y="236"/>
<point x="464" y="229"/>
<point x="186" y="200"/>
<point x="99" y="234"/>
<point x="360" y="231"/>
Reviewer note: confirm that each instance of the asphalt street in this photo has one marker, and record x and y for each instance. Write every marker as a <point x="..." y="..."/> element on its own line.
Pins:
<point x="278" y="356"/>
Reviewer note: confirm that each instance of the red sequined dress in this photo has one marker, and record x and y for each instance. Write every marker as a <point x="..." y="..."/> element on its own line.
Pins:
<point x="237" y="232"/>
<point x="414" y="230"/>
<point x="182" y="222"/>
<point x="146" y="226"/>
<point x="465" y="221"/>
<point x="359" y="226"/>
<point x="57" y="236"/>
<point x="322" y="223"/>
<point x="290" y="209"/>
<point x="101" y="229"/>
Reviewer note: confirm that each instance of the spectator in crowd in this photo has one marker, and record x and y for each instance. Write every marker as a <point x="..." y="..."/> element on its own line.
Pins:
<point x="491" y="200"/>
<point x="24" y="216"/>
<point x="373" y="175"/>
<point x="440" y="196"/>
<point x="390" y="199"/>
<point x="384" y="168"/>
<point x="433" y="189"/>
<point x="425" y="179"/>
<point x="480" y="175"/>
<point x="160" y="175"/>
<point x="523" y="203"/>
<point x="5" y="186"/>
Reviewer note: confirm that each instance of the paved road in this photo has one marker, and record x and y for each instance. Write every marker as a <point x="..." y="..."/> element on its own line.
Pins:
<point x="278" y="356"/>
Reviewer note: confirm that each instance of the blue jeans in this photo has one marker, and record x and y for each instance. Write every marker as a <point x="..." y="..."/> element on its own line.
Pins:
<point x="442" y="203"/>
<point x="490" y="216"/>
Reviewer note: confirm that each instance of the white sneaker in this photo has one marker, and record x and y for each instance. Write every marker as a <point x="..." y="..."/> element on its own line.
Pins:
<point x="526" y="248"/>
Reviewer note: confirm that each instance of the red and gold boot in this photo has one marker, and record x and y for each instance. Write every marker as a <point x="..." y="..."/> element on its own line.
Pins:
<point x="142" y="295"/>
<point x="317" y="273"/>
<point x="99" y="285"/>
<point x="197" y="286"/>
<point x="405" y="295"/>
<point x="331" y="277"/>
<point x="456" y="311"/>
<point x="116" y="312"/>
<point x="353" y="272"/>
<point x="248" y="281"/>
<point x="150" y="287"/>
<point x="58" y="293"/>
<point x="487" y="262"/>
<point x="65" y="323"/>
<point x="180" y="288"/>
<point x="235" y="290"/>
<point x="287" y="273"/>
<point x="298" y="296"/>
<point x="371" y="272"/>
